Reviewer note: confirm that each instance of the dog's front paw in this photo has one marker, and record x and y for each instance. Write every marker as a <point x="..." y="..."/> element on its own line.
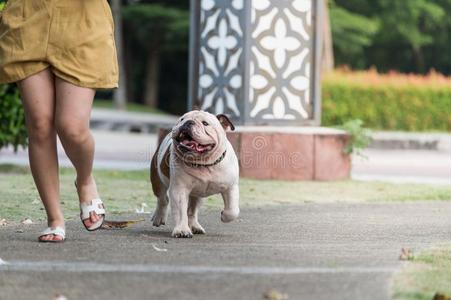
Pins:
<point x="196" y="228"/>
<point x="228" y="215"/>
<point x="181" y="232"/>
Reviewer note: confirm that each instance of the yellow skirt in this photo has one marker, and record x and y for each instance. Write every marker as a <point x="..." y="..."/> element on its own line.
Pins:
<point x="73" y="38"/>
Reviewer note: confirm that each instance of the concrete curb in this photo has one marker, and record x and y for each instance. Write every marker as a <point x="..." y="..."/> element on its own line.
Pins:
<point x="411" y="141"/>
<point x="125" y="121"/>
<point x="137" y="122"/>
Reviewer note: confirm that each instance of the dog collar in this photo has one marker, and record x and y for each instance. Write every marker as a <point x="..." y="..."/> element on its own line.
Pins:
<point x="209" y="165"/>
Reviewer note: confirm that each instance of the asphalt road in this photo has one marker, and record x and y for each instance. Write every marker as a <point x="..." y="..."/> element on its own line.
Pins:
<point x="310" y="251"/>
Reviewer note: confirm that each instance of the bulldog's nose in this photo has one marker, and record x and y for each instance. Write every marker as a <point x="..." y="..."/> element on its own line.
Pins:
<point x="189" y="123"/>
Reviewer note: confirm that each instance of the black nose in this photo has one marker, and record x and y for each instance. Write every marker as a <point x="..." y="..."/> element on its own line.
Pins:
<point x="188" y="124"/>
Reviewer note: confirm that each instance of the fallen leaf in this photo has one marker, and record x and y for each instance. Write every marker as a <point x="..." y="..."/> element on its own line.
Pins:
<point x="3" y="222"/>
<point x="27" y="221"/>
<point x="19" y="231"/>
<point x="142" y="209"/>
<point x="406" y="254"/>
<point x="2" y="262"/>
<point x="273" y="294"/>
<point x="158" y="249"/>
<point x="119" y="224"/>
<point x="60" y="297"/>
<point x="439" y="296"/>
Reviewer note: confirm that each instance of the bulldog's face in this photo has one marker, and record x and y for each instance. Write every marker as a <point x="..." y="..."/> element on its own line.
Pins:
<point x="199" y="134"/>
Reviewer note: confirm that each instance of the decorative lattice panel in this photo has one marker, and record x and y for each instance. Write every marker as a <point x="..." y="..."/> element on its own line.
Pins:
<point x="255" y="60"/>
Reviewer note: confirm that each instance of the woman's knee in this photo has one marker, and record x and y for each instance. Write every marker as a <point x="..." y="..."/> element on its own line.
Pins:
<point x="73" y="132"/>
<point x="40" y="130"/>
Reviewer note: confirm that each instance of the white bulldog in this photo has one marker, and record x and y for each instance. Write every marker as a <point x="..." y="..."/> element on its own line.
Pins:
<point x="193" y="161"/>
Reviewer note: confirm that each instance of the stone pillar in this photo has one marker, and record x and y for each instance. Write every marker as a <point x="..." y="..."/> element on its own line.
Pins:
<point x="258" y="61"/>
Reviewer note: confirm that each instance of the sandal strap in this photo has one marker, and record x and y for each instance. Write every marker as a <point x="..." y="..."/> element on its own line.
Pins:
<point x="59" y="231"/>
<point x="95" y="205"/>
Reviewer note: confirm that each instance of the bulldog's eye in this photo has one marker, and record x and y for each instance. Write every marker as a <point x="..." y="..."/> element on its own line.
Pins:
<point x="205" y="123"/>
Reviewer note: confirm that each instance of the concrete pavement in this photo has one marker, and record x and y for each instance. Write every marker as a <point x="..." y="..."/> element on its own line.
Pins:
<point x="309" y="251"/>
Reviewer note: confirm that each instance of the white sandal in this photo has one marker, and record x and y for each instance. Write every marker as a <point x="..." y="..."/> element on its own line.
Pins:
<point x="59" y="231"/>
<point x="95" y="205"/>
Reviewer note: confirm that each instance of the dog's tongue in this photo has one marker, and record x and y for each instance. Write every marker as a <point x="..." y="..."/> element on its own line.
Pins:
<point x="201" y="148"/>
<point x="196" y="146"/>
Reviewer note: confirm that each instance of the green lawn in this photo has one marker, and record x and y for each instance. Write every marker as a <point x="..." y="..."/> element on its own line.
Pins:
<point x="429" y="273"/>
<point x="135" y="107"/>
<point x="125" y="191"/>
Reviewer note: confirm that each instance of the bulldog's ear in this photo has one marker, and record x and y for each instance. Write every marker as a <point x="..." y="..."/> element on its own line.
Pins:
<point x="225" y="122"/>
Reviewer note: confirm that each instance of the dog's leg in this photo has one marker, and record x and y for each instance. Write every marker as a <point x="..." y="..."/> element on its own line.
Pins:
<point x="193" y="209"/>
<point x="231" y="199"/>
<point x="178" y="200"/>
<point x="161" y="213"/>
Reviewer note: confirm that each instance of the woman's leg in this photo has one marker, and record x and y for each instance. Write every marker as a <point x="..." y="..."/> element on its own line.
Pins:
<point x="72" y="114"/>
<point x="38" y="98"/>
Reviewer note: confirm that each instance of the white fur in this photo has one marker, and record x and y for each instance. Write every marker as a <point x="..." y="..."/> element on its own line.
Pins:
<point x="188" y="185"/>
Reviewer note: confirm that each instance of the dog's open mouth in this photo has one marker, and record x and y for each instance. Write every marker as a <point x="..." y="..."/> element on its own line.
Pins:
<point x="186" y="141"/>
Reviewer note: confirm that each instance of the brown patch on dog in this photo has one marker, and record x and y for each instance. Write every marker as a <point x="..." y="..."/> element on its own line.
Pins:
<point x="164" y="166"/>
<point x="157" y="184"/>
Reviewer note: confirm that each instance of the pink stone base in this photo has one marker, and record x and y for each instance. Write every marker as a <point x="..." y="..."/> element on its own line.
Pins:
<point x="291" y="153"/>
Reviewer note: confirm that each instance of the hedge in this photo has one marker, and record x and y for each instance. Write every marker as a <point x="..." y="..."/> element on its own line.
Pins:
<point x="12" y="118"/>
<point x="393" y="102"/>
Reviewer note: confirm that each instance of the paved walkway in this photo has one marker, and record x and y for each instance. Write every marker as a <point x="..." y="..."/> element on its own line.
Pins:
<point x="310" y="251"/>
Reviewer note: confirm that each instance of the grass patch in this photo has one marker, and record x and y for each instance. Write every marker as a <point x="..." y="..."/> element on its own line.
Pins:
<point x="429" y="273"/>
<point x="124" y="191"/>
<point x="134" y="107"/>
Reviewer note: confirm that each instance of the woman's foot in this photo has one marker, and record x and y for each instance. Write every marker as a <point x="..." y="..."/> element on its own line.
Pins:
<point x="87" y="191"/>
<point x="53" y="237"/>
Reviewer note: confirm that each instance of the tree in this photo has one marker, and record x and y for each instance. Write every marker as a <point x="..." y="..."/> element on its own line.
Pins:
<point x="327" y="63"/>
<point x="412" y="23"/>
<point x="351" y="33"/>
<point x="155" y="28"/>
<point x="119" y="95"/>
<point x="411" y="36"/>
<point x="12" y="118"/>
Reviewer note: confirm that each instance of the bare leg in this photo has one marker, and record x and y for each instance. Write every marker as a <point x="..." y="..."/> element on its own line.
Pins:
<point x="193" y="210"/>
<point x="72" y="114"/>
<point x="38" y="98"/>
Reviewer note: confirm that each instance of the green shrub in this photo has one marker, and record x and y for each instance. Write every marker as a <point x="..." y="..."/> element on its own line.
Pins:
<point x="360" y="136"/>
<point x="12" y="118"/>
<point x="387" y="106"/>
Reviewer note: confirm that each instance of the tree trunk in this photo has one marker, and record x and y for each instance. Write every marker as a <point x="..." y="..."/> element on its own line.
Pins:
<point x="327" y="55"/>
<point x="119" y="94"/>
<point x="152" y="77"/>
<point x="419" y="60"/>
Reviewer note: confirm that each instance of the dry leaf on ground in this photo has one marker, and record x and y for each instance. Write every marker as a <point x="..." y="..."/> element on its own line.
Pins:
<point x="439" y="296"/>
<point x="406" y="254"/>
<point x="119" y="224"/>
<point x="273" y="294"/>
<point x="27" y="221"/>
<point x="3" y="222"/>
<point x="158" y="249"/>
